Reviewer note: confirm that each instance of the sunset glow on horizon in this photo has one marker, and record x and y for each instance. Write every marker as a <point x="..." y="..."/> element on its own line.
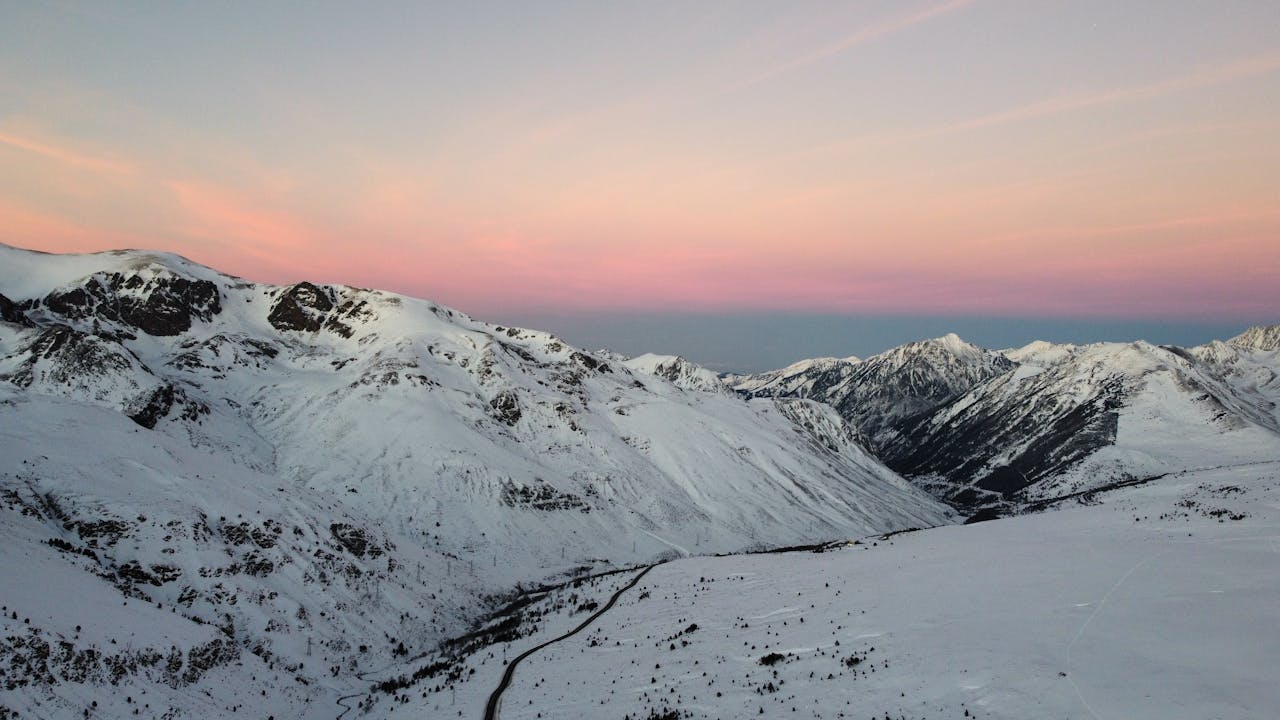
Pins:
<point x="1060" y="158"/>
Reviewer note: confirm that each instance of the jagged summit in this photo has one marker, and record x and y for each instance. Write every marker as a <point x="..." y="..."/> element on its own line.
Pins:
<point x="982" y="429"/>
<point x="1070" y="418"/>
<point x="877" y="393"/>
<point x="1262" y="337"/>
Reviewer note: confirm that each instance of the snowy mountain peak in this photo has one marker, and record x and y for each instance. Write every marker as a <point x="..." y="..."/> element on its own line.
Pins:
<point x="1263" y="337"/>
<point x="949" y="344"/>
<point x="678" y="371"/>
<point x="953" y="341"/>
<point x="877" y="393"/>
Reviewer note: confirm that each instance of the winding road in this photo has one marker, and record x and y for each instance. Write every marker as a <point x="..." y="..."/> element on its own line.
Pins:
<point x="491" y="709"/>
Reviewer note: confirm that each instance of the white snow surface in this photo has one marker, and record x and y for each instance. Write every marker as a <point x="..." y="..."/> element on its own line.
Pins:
<point x="1158" y="604"/>
<point x="310" y="498"/>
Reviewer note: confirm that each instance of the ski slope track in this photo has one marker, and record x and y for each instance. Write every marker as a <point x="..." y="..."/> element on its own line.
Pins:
<point x="240" y="496"/>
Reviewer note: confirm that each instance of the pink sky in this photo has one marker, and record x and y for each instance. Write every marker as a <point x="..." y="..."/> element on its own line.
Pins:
<point x="961" y="157"/>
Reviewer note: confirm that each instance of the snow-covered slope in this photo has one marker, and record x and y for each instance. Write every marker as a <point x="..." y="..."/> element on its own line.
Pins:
<point x="1158" y="603"/>
<point x="1073" y="418"/>
<point x="314" y="475"/>
<point x="879" y="393"/>
<point x="1250" y="362"/>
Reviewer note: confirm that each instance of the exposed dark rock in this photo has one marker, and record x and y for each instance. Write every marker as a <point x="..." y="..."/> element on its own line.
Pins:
<point x="203" y="658"/>
<point x="589" y="362"/>
<point x="67" y="547"/>
<point x="772" y="658"/>
<point x="355" y="540"/>
<point x="100" y="533"/>
<point x="302" y="307"/>
<point x="352" y="312"/>
<point x="506" y="407"/>
<point x="71" y="354"/>
<point x="257" y="565"/>
<point x="155" y="407"/>
<point x="162" y="305"/>
<point x="9" y="312"/>
<point x="222" y="352"/>
<point x="158" y="575"/>
<point x="541" y="497"/>
<point x="984" y="515"/>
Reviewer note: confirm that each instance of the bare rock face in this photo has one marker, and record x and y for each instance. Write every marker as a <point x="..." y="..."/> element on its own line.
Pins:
<point x="10" y="312"/>
<point x="66" y="362"/>
<point x="62" y="355"/>
<point x="506" y="407"/>
<point x="302" y="307"/>
<point x="160" y="303"/>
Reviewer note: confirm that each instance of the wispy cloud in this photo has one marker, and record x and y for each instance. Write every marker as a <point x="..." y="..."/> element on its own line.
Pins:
<point x="862" y="36"/>
<point x="66" y="155"/>
<point x="1212" y="76"/>
<point x="1206" y="77"/>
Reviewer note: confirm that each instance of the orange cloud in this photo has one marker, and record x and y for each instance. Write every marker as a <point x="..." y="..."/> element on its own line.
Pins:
<point x="218" y="214"/>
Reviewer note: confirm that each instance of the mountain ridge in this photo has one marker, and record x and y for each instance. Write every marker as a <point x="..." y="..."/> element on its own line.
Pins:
<point x="1057" y="417"/>
<point x="308" y="479"/>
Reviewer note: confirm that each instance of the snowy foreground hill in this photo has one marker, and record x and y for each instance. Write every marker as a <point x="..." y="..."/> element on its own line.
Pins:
<point x="1155" y="602"/>
<point x="228" y="499"/>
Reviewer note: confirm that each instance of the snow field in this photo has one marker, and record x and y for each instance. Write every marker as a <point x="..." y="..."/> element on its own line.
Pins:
<point x="1096" y="612"/>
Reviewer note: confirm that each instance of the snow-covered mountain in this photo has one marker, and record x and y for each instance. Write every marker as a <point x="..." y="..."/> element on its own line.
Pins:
<point x="879" y="393"/>
<point x="1003" y="432"/>
<point x="285" y="485"/>
<point x="1071" y="419"/>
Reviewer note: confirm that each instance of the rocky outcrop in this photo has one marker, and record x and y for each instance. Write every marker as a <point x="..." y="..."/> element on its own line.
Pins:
<point x="160" y="303"/>
<point x="301" y="307"/>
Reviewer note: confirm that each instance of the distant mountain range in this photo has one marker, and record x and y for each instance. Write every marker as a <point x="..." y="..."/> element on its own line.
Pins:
<point x="1000" y="431"/>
